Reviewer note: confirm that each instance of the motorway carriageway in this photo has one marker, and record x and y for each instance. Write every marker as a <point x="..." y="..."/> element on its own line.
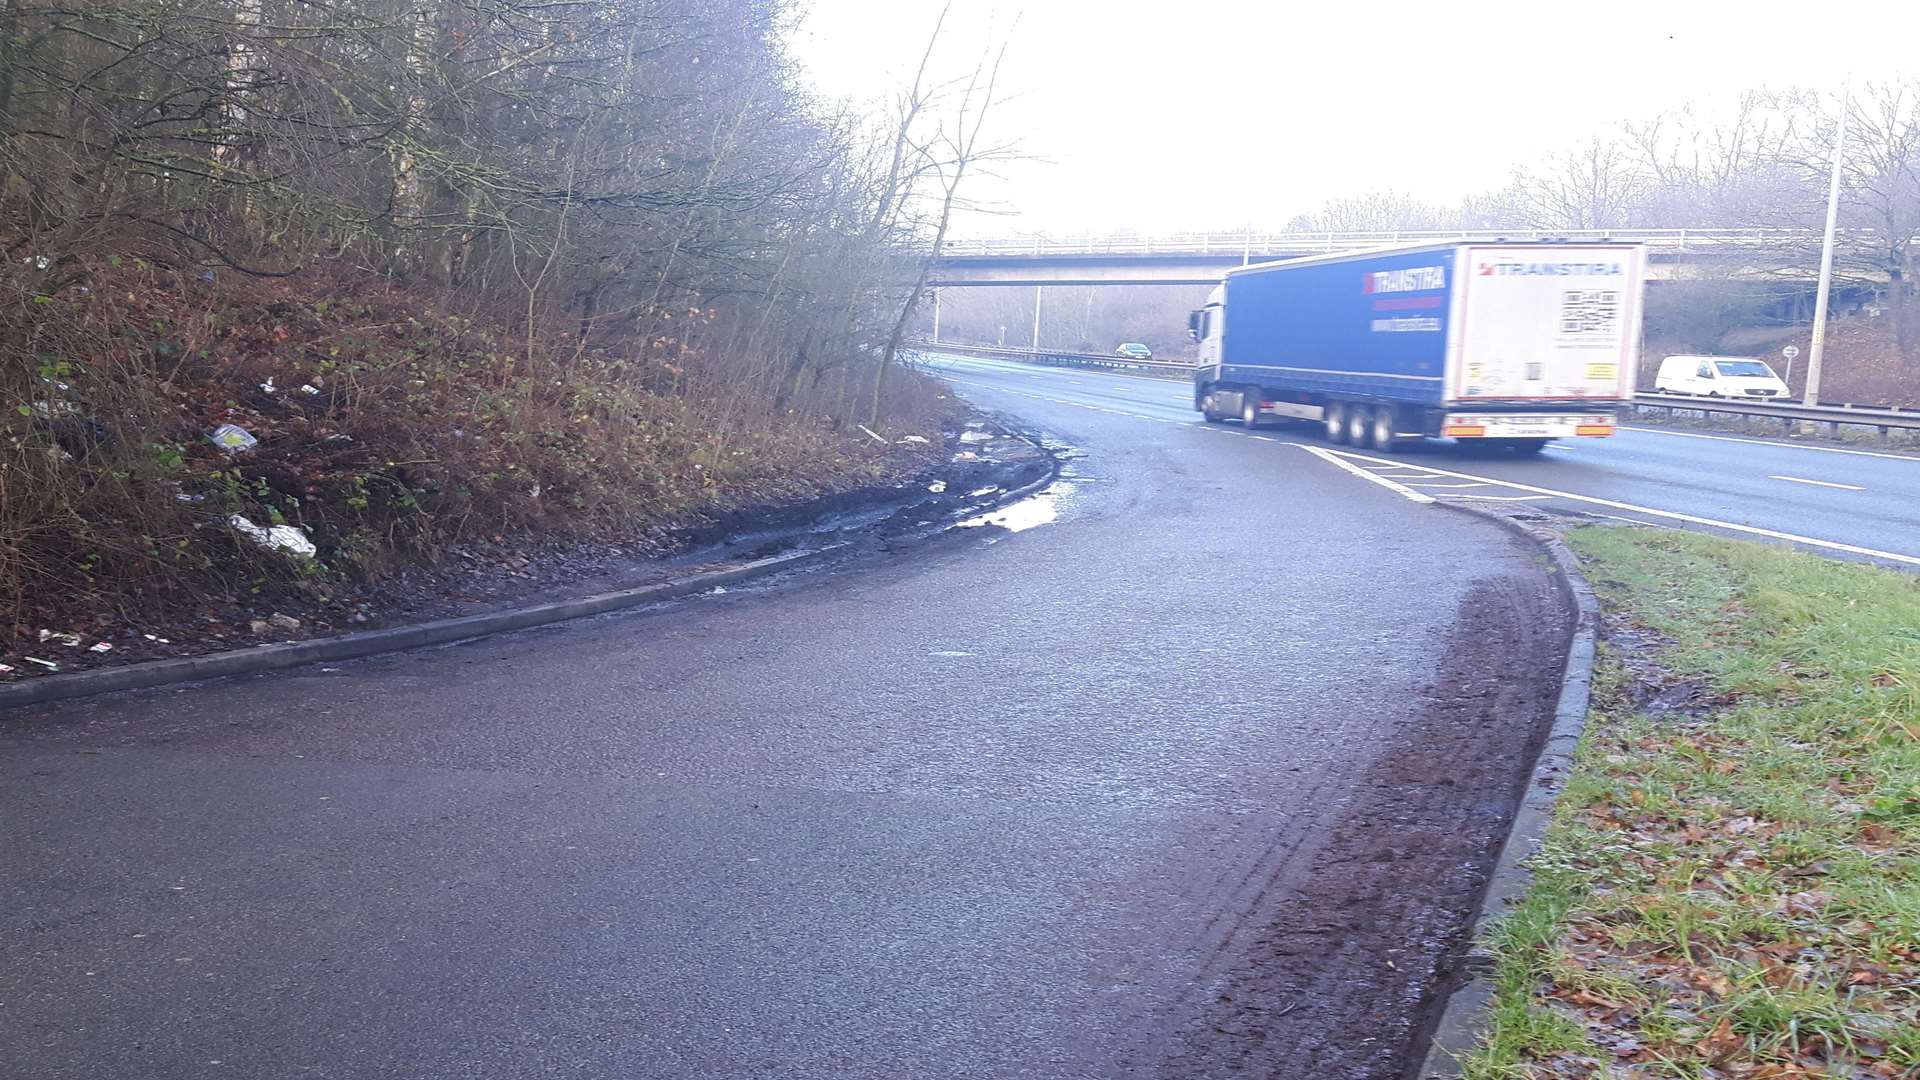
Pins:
<point x="1843" y="502"/>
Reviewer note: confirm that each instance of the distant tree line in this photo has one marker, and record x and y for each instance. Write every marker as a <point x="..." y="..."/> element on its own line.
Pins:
<point x="1764" y="162"/>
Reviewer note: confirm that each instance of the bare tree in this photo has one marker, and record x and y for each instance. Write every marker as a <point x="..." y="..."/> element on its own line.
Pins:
<point x="1595" y="185"/>
<point x="1379" y="211"/>
<point x="1882" y="177"/>
<point x="958" y="146"/>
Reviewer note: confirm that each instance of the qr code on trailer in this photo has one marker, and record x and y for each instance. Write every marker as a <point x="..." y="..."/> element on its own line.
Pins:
<point x="1589" y="311"/>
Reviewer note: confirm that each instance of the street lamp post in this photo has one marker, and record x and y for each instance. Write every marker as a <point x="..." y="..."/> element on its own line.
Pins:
<point x="1818" y="347"/>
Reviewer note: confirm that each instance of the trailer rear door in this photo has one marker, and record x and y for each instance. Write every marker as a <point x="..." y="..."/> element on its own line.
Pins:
<point x="1556" y="322"/>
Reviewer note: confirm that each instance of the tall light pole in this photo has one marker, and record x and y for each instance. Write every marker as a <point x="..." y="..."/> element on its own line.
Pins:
<point x="1036" y="317"/>
<point x="936" y="316"/>
<point x="1818" y="347"/>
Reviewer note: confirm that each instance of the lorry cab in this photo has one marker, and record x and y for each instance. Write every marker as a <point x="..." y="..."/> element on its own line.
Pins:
<point x="1718" y="376"/>
<point x="1207" y="325"/>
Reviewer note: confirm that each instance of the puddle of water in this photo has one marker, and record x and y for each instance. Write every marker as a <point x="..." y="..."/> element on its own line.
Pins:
<point x="1041" y="509"/>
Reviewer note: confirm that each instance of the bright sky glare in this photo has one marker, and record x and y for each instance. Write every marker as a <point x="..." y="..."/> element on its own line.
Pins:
<point x="1218" y="114"/>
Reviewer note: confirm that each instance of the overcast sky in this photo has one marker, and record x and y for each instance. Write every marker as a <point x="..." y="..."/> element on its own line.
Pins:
<point x="1168" y="115"/>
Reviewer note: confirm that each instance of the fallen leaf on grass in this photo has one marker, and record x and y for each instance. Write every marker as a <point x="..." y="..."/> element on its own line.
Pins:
<point x="1720" y="1044"/>
<point x="1878" y="838"/>
<point x="1868" y="975"/>
<point x="1709" y="980"/>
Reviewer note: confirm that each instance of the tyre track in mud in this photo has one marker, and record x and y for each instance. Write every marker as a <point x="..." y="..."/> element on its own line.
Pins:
<point x="1345" y="949"/>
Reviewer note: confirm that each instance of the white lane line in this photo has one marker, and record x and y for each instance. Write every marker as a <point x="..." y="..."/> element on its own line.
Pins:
<point x="1424" y="487"/>
<point x="1772" y="442"/>
<point x="1691" y="519"/>
<point x="1501" y="498"/>
<point x="1264" y="438"/>
<point x="1327" y="455"/>
<point x="1817" y="483"/>
<point x="1633" y="521"/>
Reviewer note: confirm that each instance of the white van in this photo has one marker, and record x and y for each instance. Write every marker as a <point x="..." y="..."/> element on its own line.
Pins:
<point x="1718" y="376"/>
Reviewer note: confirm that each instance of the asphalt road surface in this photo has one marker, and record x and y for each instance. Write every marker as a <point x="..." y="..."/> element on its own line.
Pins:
<point x="1195" y="779"/>
<point x="1848" y="502"/>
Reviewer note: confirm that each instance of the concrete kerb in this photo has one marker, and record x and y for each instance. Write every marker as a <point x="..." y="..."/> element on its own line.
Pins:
<point x="1462" y="1016"/>
<point x="264" y="658"/>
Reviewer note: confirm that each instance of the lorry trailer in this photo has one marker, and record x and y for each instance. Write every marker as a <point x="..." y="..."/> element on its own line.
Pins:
<point x="1508" y="344"/>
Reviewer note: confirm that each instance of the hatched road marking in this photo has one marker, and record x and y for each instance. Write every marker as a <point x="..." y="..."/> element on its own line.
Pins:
<point x="1365" y="474"/>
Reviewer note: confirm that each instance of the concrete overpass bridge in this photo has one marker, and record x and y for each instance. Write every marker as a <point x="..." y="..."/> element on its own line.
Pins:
<point x="1202" y="258"/>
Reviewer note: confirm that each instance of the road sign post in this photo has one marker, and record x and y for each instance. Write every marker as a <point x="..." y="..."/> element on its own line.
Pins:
<point x="1790" y="352"/>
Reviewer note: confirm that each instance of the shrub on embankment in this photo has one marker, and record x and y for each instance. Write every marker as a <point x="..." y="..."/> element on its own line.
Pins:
<point x="464" y="270"/>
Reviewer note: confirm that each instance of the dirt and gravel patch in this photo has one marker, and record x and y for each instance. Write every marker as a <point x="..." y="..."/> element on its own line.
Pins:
<point x="1340" y="982"/>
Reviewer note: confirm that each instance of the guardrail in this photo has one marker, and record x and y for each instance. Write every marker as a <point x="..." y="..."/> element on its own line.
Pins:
<point x="1790" y="412"/>
<point x="1219" y="243"/>
<point x="1886" y="420"/>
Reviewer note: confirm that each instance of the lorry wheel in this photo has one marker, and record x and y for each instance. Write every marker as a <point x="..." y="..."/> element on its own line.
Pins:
<point x="1250" y="409"/>
<point x="1209" y="410"/>
<point x="1357" y="423"/>
<point x="1335" y="415"/>
<point x="1380" y="429"/>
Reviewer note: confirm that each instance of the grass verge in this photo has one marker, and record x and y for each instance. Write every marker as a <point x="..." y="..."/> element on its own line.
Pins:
<point x="1731" y="884"/>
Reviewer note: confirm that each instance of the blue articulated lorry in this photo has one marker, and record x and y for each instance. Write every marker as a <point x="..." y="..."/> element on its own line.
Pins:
<point x="1509" y="344"/>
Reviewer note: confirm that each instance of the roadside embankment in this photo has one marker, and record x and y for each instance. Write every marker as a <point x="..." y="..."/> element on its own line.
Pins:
<point x="197" y="466"/>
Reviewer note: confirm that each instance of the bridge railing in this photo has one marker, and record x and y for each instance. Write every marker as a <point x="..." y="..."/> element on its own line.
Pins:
<point x="1251" y="243"/>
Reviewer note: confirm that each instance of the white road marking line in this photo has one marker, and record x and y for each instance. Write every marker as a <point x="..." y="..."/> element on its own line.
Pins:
<point x="1751" y="530"/>
<point x="1501" y="498"/>
<point x="1264" y="438"/>
<point x="1817" y="483"/>
<point x="1773" y="442"/>
<point x="1634" y="521"/>
<point x="1425" y="486"/>
<point x="1327" y="455"/>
